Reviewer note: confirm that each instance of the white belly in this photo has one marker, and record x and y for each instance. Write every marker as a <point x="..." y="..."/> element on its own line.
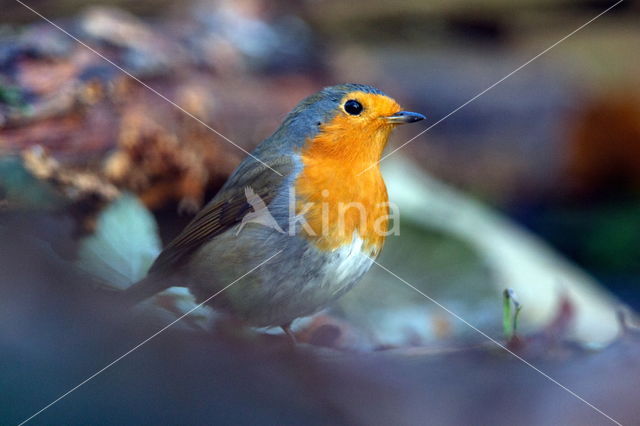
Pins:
<point x="344" y="265"/>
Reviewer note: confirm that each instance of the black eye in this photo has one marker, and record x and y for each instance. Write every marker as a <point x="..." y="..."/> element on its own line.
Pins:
<point x="353" y="107"/>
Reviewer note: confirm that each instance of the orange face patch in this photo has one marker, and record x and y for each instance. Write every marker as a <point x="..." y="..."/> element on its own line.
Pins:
<point x="356" y="138"/>
<point x="343" y="201"/>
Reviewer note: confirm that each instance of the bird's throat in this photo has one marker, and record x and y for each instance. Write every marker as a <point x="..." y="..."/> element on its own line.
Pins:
<point x="339" y="200"/>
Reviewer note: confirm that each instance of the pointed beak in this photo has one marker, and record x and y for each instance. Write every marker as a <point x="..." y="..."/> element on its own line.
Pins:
<point x="403" y="117"/>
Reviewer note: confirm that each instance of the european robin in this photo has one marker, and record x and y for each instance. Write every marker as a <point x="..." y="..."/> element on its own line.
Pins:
<point x="312" y="193"/>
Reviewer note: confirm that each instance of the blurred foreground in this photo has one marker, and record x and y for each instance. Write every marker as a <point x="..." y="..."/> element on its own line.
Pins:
<point x="55" y="334"/>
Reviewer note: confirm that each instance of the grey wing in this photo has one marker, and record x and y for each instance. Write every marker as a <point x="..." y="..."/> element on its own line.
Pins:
<point x="226" y="209"/>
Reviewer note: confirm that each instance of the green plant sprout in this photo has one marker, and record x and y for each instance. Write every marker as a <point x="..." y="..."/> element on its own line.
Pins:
<point x="509" y="318"/>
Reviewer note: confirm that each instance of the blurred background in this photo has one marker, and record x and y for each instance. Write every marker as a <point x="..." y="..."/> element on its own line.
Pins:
<point x="553" y="151"/>
<point x="555" y="146"/>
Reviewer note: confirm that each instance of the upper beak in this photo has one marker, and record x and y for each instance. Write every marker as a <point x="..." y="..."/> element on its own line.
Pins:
<point x="403" y="117"/>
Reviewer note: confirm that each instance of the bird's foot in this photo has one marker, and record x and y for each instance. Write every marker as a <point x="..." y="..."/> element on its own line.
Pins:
<point x="287" y="330"/>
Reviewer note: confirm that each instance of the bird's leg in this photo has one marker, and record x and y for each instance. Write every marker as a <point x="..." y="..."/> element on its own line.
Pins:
<point x="287" y="330"/>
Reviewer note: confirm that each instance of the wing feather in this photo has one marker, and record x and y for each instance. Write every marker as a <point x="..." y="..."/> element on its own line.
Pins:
<point x="226" y="209"/>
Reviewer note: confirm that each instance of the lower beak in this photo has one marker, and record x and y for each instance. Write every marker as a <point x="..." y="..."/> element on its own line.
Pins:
<point x="403" y="117"/>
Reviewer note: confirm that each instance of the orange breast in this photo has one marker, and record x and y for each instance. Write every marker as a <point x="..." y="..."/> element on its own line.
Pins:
<point x="338" y="201"/>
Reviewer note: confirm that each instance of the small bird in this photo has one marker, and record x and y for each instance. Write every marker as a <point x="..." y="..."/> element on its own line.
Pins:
<point x="328" y="209"/>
